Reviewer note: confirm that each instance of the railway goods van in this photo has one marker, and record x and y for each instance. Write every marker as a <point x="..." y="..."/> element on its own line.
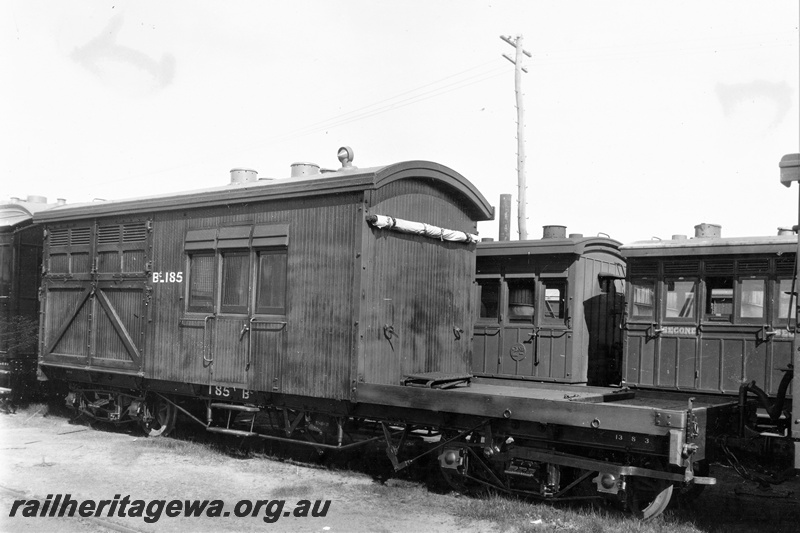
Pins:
<point x="264" y="285"/>
<point x="332" y="309"/>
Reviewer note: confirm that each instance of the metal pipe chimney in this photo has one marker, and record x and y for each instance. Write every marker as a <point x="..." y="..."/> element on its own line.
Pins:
<point x="505" y="217"/>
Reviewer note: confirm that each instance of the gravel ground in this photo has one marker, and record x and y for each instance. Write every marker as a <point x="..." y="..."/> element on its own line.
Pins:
<point x="48" y="455"/>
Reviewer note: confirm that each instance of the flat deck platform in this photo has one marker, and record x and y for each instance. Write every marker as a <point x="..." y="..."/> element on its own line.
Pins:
<point x="545" y="403"/>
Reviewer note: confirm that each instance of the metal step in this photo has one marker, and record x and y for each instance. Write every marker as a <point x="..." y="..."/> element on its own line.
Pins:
<point x="235" y="407"/>
<point x="234" y="432"/>
<point x="761" y="415"/>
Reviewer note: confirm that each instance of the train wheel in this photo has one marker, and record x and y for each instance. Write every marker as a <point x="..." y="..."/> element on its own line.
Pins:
<point x="648" y="498"/>
<point x="458" y="482"/>
<point x="160" y="417"/>
<point x="479" y="480"/>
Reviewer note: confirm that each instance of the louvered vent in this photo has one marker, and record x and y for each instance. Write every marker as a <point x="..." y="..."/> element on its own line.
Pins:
<point x="80" y="236"/>
<point x="59" y="237"/>
<point x="70" y="237"/>
<point x="719" y="268"/>
<point x="108" y="234"/>
<point x="753" y="266"/>
<point x="785" y="266"/>
<point x="681" y="268"/>
<point x="134" y="232"/>
<point x="644" y="268"/>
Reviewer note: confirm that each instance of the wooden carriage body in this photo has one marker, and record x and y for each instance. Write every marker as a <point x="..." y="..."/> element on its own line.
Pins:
<point x="278" y="286"/>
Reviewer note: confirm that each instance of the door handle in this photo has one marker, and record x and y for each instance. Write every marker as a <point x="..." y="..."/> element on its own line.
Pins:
<point x="210" y="358"/>
<point x="245" y="329"/>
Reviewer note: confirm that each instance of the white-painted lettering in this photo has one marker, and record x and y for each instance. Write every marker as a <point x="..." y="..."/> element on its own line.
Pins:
<point x="167" y="277"/>
<point x="680" y="330"/>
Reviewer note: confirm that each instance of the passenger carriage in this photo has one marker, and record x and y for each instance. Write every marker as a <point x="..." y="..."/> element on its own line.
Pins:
<point x="710" y="313"/>
<point x="550" y="309"/>
<point x="20" y="274"/>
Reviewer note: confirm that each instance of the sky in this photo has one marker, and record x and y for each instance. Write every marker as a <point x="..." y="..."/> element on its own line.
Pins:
<point x="641" y="118"/>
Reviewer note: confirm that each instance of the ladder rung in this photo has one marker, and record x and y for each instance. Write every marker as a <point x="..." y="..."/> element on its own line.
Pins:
<point x="235" y="432"/>
<point x="235" y="407"/>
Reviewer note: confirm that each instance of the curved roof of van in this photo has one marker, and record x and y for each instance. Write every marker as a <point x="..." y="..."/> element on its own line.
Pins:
<point x="327" y="182"/>
<point x="18" y="212"/>
<point x="711" y="246"/>
<point x="574" y="245"/>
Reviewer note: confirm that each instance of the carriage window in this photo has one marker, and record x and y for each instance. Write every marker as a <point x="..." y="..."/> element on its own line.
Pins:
<point x="201" y="282"/>
<point x="719" y="298"/>
<point x="554" y="300"/>
<point x="680" y="299"/>
<point x="489" y="297"/>
<point x="752" y="305"/>
<point x="271" y="279"/>
<point x="235" y="282"/>
<point x="644" y="292"/>
<point x="786" y="303"/>
<point x="520" y="300"/>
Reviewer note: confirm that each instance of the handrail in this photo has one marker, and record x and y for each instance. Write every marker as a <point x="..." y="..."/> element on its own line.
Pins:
<point x="205" y="329"/>
<point x="253" y="320"/>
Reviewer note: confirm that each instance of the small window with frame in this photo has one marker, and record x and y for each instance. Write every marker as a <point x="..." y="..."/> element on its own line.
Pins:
<point x="201" y="283"/>
<point x="787" y="302"/>
<point x="554" y="305"/>
<point x="235" y="282"/>
<point x="271" y="282"/>
<point x="719" y="298"/>
<point x="489" y="297"/>
<point x="521" y="300"/>
<point x="643" y="297"/>
<point x="680" y="301"/>
<point x="751" y="294"/>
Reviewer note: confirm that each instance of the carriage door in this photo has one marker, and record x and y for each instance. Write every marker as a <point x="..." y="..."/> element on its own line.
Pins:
<point x="780" y="336"/>
<point x="518" y="336"/>
<point x="249" y="329"/>
<point x="487" y="345"/>
<point x="231" y="327"/>
<point x="553" y="356"/>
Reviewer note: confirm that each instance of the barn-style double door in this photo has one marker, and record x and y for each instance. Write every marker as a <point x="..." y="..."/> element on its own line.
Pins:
<point x="95" y="295"/>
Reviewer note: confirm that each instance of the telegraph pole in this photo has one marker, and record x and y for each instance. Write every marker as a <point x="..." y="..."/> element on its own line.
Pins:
<point x="522" y="187"/>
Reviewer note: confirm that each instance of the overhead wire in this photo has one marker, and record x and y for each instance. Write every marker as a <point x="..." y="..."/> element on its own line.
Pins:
<point x="389" y="104"/>
<point x="438" y="87"/>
